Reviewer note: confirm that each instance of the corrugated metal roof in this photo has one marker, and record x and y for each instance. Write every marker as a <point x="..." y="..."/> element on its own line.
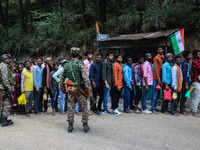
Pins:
<point x="142" y="36"/>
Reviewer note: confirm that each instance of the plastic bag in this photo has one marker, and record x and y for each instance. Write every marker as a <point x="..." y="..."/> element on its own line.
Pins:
<point x="45" y="96"/>
<point x="158" y="87"/>
<point x="22" y="99"/>
<point x="167" y="94"/>
<point x="174" y="95"/>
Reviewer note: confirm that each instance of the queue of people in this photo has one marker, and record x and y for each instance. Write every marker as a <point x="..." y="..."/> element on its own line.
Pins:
<point x="41" y="84"/>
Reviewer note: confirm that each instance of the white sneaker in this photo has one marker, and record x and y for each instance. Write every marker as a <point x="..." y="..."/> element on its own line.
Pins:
<point x="119" y="109"/>
<point x="146" y="111"/>
<point x="116" y="112"/>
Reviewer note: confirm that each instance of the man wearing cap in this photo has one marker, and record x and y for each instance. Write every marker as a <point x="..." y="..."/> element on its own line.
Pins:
<point x="75" y="71"/>
<point x="6" y="81"/>
<point x="56" y="76"/>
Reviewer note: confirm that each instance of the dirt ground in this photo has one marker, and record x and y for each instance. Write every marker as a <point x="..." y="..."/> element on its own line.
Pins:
<point x="108" y="132"/>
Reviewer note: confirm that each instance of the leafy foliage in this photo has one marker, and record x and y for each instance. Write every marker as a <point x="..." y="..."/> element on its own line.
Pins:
<point x="66" y="24"/>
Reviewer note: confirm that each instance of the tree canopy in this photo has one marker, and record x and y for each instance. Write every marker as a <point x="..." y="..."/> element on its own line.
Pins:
<point x="47" y="24"/>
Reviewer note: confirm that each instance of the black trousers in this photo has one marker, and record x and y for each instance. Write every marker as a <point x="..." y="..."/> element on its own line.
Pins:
<point x="132" y="101"/>
<point x="96" y="91"/>
<point x="183" y="100"/>
<point x="174" y="103"/>
<point x="46" y="101"/>
<point x="138" y="95"/>
<point x="115" y="94"/>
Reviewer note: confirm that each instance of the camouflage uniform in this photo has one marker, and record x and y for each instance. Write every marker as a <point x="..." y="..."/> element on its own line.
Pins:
<point x="6" y="82"/>
<point x="76" y="95"/>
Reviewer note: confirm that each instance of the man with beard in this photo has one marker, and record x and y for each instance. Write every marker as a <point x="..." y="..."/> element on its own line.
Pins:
<point x="147" y="81"/>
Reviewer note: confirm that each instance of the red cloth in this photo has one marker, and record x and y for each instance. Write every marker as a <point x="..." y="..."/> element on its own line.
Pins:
<point x="195" y="70"/>
<point x="167" y="94"/>
<point x="141" y="70"/>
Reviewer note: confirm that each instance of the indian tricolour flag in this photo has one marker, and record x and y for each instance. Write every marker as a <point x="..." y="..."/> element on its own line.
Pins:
<point x="178" y="41"/>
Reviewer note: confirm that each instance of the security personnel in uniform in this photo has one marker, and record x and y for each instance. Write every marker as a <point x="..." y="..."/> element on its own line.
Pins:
<point x="75" y="71"/>
<point x="6" y="81"/>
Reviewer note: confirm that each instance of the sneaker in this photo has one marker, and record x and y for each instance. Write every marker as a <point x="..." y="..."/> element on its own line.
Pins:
<point x="116" y="112"/>
<point x="97" y="113"/>
<point x="127" y="111"/>
<point x="106" y="112"/>
<point x="111" y="110"/>
<point x="137" y="111"/>
<point x="120" y="109"/>
<point x="146" y="111"/>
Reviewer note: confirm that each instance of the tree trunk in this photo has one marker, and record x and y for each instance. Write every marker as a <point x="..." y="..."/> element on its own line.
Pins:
<point x="103" y="11"/>
<point x="21" y="10"/>
<point x="99" y="8"/>
<point x="60" y="3"/>
<point x="2" y="16"/>
<point x="6" y="13"/>
<point x="26" y="15"/>
<point x="30" y="15"/>
<point x="83" y="13"/>
<point x="120" y="7"/>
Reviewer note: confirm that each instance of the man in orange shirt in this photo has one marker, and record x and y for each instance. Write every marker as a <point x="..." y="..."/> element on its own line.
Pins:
<point x="118" y="83"/>
<point x="157" y="76"/>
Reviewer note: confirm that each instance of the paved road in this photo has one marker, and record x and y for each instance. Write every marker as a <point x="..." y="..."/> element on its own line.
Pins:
<point x="128" y="131"/>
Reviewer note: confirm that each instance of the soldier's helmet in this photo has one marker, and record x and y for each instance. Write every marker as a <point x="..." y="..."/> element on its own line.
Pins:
<point x="5" y="56"/>
<point x="75" y="51"/>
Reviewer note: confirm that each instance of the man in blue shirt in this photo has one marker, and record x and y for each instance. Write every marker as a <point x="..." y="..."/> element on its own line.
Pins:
<point x="37" y="78"/>
<point x="96" y="80"/>
<point x="56" y="76"/>
<point x="166" y="79"/>
<point x="128" y="87"/>
<point x="187" y="80"/>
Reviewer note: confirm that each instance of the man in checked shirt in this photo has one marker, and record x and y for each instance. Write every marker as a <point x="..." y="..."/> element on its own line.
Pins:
<point x="195" y="97"/>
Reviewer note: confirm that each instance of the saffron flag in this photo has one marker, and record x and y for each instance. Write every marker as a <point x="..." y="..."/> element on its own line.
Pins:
<point x="97" y="29"/>
<point x="178" y="41"/>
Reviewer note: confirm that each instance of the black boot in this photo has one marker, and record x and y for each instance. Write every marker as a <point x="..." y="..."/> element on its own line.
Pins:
<point x="5" y="122"/>
<point x="70" y="128"/>
<point x="86" y="127"/>
<point x="9" y="120"/>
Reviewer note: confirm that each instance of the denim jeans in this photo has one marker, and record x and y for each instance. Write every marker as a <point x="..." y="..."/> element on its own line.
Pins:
<point x="62" y="98"/>
<point x="38" y="101"/>
<point x="144" y="97"/>
<point x="155" y="95"/>
<point x="105" y="98"/>
<point x="77" y="107"/>
<point x="66" y="98"/>
<point x="127" y="96"/>
<point x="54" y="98"/>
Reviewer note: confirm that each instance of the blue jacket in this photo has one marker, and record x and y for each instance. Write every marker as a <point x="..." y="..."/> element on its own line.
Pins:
<point x="187" y="73"/>
<point x="127" y="71"/>
<point x="167" y="72"/>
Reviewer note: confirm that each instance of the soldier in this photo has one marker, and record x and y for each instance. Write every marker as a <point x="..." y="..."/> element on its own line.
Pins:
<point x="6" y="81"/>
<point x="75" y="71"/>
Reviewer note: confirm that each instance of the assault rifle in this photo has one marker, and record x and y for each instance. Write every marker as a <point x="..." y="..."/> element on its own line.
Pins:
<point x="69" y="82"/>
